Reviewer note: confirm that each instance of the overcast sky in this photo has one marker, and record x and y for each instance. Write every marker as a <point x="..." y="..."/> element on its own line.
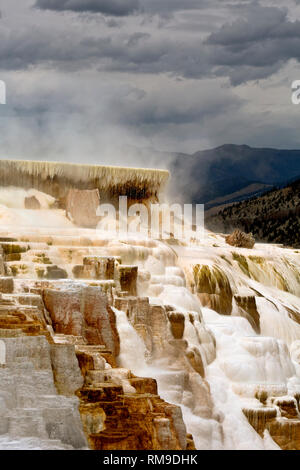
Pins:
<point x="87" y="78"/>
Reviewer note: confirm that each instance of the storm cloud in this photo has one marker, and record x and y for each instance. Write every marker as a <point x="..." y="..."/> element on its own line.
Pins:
<point x="85" y="77"/>
<point x="107" y="7"/>
<point x="256" y="45"/>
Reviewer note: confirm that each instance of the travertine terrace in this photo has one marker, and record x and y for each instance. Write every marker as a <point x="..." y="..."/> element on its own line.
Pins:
<point x="57" y="178"/>
<point x="134" y="343"/>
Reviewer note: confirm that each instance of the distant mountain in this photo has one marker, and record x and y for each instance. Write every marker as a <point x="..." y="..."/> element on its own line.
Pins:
<point x="271" y="217"/>
<point x="254" y="189"/>
<point x="216" y="176"/>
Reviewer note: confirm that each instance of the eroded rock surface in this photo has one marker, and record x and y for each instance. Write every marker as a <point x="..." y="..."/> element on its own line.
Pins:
<point x="81" y="207"/>
<point x="83" y="311"/>
<point x="32" y="202"/>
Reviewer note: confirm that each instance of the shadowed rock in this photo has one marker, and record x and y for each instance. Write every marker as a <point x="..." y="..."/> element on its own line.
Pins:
<point x="96" y="267"/>
<point x="128" y="279"/>
<point x="54" y="272"/>
<point x="213" y="288"/>
<point x="176" y="320"/>
<point x="249" y="310"/>
<point x="6" y="285"/>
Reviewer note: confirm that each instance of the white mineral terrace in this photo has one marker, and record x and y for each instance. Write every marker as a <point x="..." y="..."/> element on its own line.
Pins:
<point x="242" y="356"/>
<point x="106" y="178"/>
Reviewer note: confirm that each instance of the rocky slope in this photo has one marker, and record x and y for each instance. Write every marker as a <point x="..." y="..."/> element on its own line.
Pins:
<point x="272" y="217"/>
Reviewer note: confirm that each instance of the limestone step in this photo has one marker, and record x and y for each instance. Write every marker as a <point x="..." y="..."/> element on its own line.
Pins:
<point x="106" y="392"/>
<point x="6" y="301"/>
<point x="9" y="248"/>
<point x="109" y="375"/>
<point x="11" y="333"/>
<point x="144" y="385"/>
